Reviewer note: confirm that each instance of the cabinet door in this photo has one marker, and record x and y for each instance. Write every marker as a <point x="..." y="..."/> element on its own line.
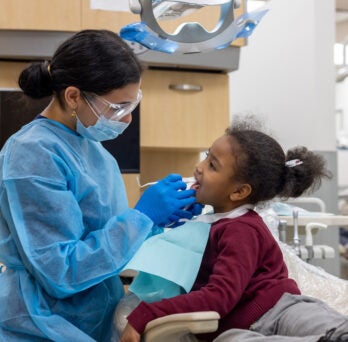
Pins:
<point x="108" y="20"/>
<point x="9" y="73"/>
<point x="131" y="184"/>
<point x="188" y="119"/>
<point x="63" y="15"/>
<point x="157" y="163"/>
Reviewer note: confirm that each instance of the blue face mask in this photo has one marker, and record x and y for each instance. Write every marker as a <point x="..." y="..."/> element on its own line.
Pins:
<point x="102" y="130"/>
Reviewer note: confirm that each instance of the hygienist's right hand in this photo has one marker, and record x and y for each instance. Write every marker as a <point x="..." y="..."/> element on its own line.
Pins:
<point x="160" y="201"/>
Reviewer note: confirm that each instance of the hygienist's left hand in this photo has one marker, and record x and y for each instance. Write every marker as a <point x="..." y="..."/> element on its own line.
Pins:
<point x="196" y="209"/>
<point x="181" y="216"/>
<point x="130" y="334"/>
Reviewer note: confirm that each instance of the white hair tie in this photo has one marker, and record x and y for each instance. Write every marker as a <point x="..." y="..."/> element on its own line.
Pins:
<point x="293" y="162"/>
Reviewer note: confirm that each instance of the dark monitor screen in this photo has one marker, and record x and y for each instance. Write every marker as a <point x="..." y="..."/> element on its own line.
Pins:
<point x="16" y="110"/>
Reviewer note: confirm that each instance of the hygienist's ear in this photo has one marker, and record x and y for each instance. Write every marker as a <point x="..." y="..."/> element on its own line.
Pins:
<point x="72" y="97"/>
<point x="241" y="192"/>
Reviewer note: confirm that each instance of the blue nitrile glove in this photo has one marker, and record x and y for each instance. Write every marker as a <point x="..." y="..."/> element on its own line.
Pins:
<point x="185" y="214"/>
<point x="164" y="198"/>
<point x="196" y="209"/>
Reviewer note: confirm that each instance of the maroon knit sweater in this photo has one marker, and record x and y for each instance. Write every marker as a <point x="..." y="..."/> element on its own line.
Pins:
<point x="242" y="276"/>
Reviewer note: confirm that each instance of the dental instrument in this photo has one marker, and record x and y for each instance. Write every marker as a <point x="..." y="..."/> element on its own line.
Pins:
<point x="188" y="180"/>
<point x="282" y="231"/>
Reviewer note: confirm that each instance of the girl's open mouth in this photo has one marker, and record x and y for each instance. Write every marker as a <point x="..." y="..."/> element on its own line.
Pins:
<point x="195" y="186"/>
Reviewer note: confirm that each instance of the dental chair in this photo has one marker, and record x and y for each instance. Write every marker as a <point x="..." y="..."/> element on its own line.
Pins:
<point x="312" y="281"/>
<point x="172" y="328"/>
<point x="181" y="327"/>
<point x="316" y="282"/>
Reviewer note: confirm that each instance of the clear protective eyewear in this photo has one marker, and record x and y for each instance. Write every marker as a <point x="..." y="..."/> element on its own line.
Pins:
<point x="110" y="111"/>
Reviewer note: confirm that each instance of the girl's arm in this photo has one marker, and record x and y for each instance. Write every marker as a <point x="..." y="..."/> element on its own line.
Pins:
<point x="233" y="268"/>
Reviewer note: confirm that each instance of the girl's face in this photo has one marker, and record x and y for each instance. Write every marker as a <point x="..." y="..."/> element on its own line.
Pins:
<point x="214" y="177"/>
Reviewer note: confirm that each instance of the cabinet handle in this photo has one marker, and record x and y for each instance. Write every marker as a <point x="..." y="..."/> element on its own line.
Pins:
<point x="185" y="87"/>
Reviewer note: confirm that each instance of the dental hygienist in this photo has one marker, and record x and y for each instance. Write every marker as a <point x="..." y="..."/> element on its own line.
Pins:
<point x="65" y="226"/>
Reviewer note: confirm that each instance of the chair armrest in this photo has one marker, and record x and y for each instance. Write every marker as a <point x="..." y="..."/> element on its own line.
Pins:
<point x="172" y="327"/>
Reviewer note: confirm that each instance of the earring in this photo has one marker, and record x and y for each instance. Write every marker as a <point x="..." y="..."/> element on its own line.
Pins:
<point x="73" y="113"/>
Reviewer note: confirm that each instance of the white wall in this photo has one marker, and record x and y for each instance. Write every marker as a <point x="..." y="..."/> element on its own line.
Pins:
<point x="342" y="128"/>
<point x="342" y="177"/>
<point x="286" y="73"/>
<point x="287" y="76"/>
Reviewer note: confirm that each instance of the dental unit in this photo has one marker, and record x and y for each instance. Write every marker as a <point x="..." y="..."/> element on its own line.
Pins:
<point x="189" y="37"/>
<point x="188" y="180"/>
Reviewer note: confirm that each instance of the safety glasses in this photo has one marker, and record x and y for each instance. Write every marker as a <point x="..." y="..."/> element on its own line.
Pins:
<point x="111" y="111"/>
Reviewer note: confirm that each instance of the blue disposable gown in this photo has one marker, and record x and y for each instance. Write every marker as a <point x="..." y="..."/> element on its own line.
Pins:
<point x="65" y="232"/>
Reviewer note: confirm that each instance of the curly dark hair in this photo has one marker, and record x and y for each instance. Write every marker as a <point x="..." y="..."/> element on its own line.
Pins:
<point x="261" y="162"/>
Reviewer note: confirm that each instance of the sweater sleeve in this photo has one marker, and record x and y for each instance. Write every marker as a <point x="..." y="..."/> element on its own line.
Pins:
<point x="236" y="261"/>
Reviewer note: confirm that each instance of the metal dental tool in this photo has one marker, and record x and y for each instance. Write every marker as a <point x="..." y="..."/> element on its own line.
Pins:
<point x="296" y="239"/>
<point x="282" y="231"/>
<point x="188" y="180"/>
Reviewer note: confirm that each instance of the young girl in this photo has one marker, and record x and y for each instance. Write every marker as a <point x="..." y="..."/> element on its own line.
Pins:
<point x="242" y="275"/>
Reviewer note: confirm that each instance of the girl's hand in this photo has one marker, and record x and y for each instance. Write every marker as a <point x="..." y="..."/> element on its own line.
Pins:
<point x="130" y="334"/>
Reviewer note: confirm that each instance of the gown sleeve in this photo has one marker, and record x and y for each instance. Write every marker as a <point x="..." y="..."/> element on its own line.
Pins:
<point x="68" y="236"/>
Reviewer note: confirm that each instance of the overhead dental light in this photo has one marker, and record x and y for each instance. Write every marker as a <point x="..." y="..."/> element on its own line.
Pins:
<point x="189" y="37"/>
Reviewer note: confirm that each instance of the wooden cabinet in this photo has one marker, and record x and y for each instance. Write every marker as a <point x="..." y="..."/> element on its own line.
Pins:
<point x="60" y="15"/>
<point x="183" y="119"/>
<point x="9" y="72"/>
<point x="157" y="163"/>
<point x="101" y="19"/>
<point x="133" y="191"/>
<point x="177" y="125"/>
<point x="74" y="15"/>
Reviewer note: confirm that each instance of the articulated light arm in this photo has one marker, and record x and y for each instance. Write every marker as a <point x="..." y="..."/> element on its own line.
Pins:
<point x="189" y="37"/>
